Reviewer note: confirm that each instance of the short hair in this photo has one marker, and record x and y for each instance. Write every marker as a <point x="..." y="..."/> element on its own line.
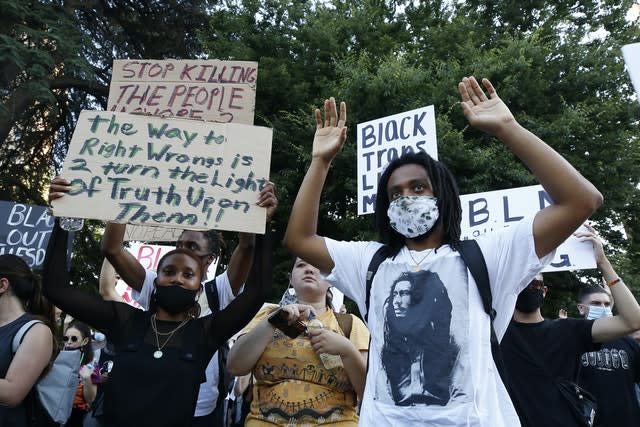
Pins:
<point x="215" y="242"/>
<point x="586" y="291"/>
<point x="184" y="251"/>
<point x="445" y="189"/>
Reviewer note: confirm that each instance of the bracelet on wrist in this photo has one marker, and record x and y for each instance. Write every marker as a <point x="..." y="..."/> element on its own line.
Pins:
<point x="613" y="282"/>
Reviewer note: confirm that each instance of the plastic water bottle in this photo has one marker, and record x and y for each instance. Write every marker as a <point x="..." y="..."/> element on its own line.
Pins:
<point x="71" y="224"/>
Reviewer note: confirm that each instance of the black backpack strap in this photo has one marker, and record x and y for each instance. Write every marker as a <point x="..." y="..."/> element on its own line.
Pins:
<point x="345" y="321"/>
<point x="381" y="254"/>
<point x="213" y="299"/>
<point x="473" y="258"/>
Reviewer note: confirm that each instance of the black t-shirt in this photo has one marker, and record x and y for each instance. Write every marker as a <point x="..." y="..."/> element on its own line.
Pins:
<point x="557" y="346"/>
<point x="142" y="390"/>
<point x="610" y="374"/>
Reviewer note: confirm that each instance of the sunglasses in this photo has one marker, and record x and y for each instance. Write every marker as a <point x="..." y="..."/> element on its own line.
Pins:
<point x="73" y="338"/>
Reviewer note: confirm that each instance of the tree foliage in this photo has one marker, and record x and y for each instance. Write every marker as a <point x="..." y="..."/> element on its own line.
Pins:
<point x="556" y="64"/>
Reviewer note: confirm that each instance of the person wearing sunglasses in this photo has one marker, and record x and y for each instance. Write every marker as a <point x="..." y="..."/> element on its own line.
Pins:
<point x="538" y="352"/>
<point x="77" y="337"/>
<point x="21" y="301"/>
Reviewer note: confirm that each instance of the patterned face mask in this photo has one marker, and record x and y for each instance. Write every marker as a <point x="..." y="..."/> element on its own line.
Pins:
<point x="413" y="216"/>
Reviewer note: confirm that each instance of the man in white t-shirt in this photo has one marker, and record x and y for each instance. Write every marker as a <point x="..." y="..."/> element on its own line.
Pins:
<point x="206" y="244"/>
<point x="418" y="218"/>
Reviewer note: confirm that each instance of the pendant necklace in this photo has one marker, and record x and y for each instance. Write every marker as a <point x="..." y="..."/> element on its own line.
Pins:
<point x="417" y="263"/>
<point x="158" y="353"/>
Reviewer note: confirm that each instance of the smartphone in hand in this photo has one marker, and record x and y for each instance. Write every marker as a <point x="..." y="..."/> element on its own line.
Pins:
<point x="279" y="320"/>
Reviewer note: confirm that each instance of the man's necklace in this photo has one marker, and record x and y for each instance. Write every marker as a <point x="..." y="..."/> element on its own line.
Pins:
<point x="417" y="263"/>
<point x="158" y="353"/>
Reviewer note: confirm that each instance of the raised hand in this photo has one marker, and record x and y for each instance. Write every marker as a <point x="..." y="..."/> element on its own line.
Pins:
<point x="331" y="133"/>
<point x="488" y="114"/>
<point x="592" y="236"/>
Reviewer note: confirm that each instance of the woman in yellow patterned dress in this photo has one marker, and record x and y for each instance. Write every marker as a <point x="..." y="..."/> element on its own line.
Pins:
<point x="313" y="379"/>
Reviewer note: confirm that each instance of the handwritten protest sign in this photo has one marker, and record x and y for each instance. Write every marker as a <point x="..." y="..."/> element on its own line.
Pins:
<point x="175" y="173"/>
<point x="486" y="212"/>
<point x="214" y="90"/>
<point x="151" y="234"/>
<point x="25" y="232"/>
<point x="383" y="140"/>
<point x="631" y="53"/>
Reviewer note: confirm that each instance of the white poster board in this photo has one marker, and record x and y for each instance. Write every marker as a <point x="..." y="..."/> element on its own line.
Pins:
<point x="151" y="234"/>
<point x="490" y="211"/>
<point x="383" y="140"/>
<point x="174" y="173"/>
<point x="213" y="90"/>
<point x="631" y="54"/>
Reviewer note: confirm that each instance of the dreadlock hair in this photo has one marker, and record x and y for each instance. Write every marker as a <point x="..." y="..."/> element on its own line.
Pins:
<point x="445" y="190"/>
<point x="215" y="241"/>
<point x="26" y="286"/>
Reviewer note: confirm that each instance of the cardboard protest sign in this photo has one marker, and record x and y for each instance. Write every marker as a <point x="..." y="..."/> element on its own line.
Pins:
<point x="151" y="234"/>
<point x="213" y="90"/>
<point x="383" y="140"/>
<point x="490" y="211"/>
<point x="25" y="232"/>
<point x="176" y="173"/>
<point x="631" y="54"/>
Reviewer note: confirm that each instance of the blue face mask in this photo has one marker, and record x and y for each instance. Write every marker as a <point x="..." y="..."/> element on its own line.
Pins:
<point x="596" y="312"/>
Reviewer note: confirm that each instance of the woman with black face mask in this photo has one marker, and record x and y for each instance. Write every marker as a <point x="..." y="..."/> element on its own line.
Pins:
<point x="161" y="355"/>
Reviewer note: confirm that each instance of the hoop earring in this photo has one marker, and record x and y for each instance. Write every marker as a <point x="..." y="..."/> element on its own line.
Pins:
<point x="194" y="311"/>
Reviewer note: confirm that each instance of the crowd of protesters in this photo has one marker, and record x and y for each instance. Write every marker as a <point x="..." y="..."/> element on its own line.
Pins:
<point x="427" y="355"/>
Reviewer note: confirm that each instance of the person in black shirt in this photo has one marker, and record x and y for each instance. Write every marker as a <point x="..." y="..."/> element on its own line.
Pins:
<point x="161" y="354"/>
<point x="537" y="351"/>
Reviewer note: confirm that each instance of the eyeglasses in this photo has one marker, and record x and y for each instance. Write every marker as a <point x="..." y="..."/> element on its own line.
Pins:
<point x="73" y="338"/>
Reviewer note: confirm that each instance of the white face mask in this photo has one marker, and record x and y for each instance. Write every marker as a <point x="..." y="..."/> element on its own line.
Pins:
<point x="413" y="216"/>
<point x="596" y="312"/>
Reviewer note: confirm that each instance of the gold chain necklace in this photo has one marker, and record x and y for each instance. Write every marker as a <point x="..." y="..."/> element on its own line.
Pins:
<point x="417" y="267"/>
<point x="158" y="353"/>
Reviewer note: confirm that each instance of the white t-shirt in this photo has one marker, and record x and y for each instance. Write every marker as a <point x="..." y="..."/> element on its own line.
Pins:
<point x="208" y="394"/>
<point x="430" y="355"/>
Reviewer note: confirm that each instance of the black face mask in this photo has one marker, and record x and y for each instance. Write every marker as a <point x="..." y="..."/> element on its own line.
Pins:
<point x="174" y="299"/>
<point x="529" y="300"/>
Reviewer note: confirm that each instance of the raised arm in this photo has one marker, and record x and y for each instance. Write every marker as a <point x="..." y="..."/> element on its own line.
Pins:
<point x="242" y="256"/>
<point x="301" y="237"/>
<point x="89" y="308"/>
<point x="224" y="324"/>
<point x="124" y="263"/>
<point x="628" y="318"/>
<point x="575" y="198"/>
<point x="107" y="282"/>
